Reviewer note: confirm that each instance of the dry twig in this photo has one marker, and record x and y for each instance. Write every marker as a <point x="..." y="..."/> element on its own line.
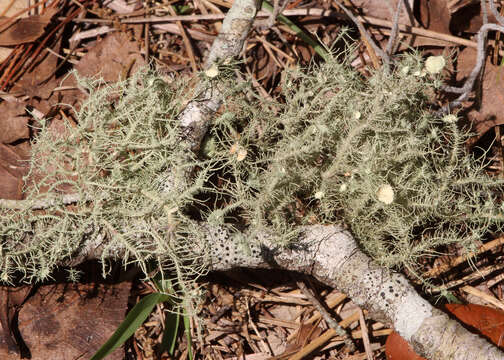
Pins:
<point x="327" y="317"/>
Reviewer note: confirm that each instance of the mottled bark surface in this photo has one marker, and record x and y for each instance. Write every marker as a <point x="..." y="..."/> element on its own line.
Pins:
<point x="332" y="256"/>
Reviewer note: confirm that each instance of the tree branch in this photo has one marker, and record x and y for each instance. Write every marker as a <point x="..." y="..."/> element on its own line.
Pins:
<point x="332" y="256"/>
<point x="327" y="253"/>
<point x="197" y="116"/>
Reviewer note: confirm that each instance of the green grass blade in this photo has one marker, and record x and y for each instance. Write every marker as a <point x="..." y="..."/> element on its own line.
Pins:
<point x="319" y="49"/>
<point x="187" y="331"/>
<point x="133" y="320"/>
<point x="172" y="321"/>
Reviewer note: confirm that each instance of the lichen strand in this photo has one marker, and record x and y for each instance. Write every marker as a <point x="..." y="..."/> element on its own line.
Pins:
<point x="336" y="148"/>
<point x="367" y="152"/>
<point x="117" y="159"/>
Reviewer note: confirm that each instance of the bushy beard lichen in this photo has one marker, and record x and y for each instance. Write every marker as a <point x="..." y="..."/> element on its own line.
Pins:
<point x="335" y="148"/>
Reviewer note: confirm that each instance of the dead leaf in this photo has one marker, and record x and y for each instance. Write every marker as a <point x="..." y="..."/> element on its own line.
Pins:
<point x="13" y="122"/>
<point x="459" y="4"/>
<point x="38" y="84"/>
<point x="11" y="299"/>
<point x="72" y="321"/>
<point x="9" y="8"/>
<point x="123" y="7"/>
<point x="490" y="112"/>
<point x="13" y="167"/>
<point x="379" y="9"/>
<point x="24" y="30"/>
<point x="111" y="58"/>
<point x="435" y="15"/>
<point x="10" y="186"/>
<point x="488" y="321"/>
<point x="396" y="348"/>
<point x="469" y="17"/>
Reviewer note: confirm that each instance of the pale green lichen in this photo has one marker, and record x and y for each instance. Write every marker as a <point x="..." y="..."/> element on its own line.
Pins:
<point x="335" y="148"/>
<point x="366" y="152"/>
<point x="118" y="157"/>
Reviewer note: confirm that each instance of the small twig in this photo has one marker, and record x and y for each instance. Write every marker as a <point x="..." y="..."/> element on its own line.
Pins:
<point x="488" y="298"/>
<point x="147" y="40"/>
<point x="272" y="46"/>
<point x="264" y="346"/>
<point x="9" y="5"/>
<point x="364" y="32"/>
<point x="78" y="4"/>
<point x="364" y="331"/>
<point x="12" y="61"/>
<point x="277" y="9"/>
<point x="468" y="86"/>
<point x="395" y="29"/>
<point x="324" y="338"/>
<point x="493" y="10"/>
<point x="174" y="29"/>
<point x="479" y="80"/>
<point x="331" y="302"/>
<point x="91" y="21"/>
<point x="257" y="85"/>
<point x="333" y="324"/>
<point x="220" y="313"/>
<point x="477" y="275"/>
<point x="92" y="33"/>
<point x="267" y="47"/>
<point x="187" y="42"/>
<point x="494" y="281"/>
<point x="459" y="260"/>
<point x="62" y="63"/>
<point x="309" y="12"/>
<point x="31" y="63"/>
<point x="371" y="52"/>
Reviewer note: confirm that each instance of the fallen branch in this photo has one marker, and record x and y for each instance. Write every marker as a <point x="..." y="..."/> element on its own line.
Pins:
<point x="331" y="255"/>
<point x="327" y="253"/>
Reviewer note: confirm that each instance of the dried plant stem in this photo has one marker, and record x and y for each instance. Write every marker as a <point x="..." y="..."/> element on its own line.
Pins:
<point x="333" y="324"/>
<point x="477" y="70"/>
<point x="395" y="29"/>
<point x="187" y="42"/>
<point x="407" y="29"/>
<point x="363" y="32"/>
<point x="468" y="86"/>
<point x="436" y="271"/>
